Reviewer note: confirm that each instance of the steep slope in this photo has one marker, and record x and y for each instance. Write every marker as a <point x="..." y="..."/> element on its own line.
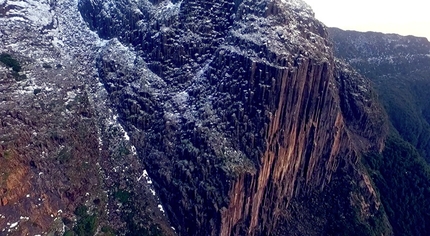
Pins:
<point x="65" y="164"/>
<point x="239" y="109"/>
<point x="399" y="68"/>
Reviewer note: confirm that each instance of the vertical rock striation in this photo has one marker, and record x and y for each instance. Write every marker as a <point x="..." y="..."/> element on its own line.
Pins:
<point x="235" y="107"/>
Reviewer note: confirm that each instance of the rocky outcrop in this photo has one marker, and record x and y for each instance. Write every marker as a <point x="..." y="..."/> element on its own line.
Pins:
<point x="236" y="108"/>
<point x="364" y="116"/>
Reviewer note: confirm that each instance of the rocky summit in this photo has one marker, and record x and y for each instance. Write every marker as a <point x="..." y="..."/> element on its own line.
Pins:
<point x="150" y="117"/>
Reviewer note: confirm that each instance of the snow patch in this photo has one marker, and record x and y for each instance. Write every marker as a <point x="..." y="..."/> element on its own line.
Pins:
<point x="70" y="96"/>
<point x="126" y="136"/>
<point x="37" y="13"/>
<point x="148" y="181"/>
<point x="300" y="6"/>
<point x="173" y="118"/>
<point x="161" y="208"/>
<point x="181" y="99"/>
<point x="57" y="42"/>
<point x="167" y="9"/>
<point x="13" y="225"/>
<point x="133" y="150"/>
<point x="100" y="143"/>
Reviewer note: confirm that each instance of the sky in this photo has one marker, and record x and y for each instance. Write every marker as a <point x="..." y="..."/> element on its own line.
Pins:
<point x="406" y="17"/>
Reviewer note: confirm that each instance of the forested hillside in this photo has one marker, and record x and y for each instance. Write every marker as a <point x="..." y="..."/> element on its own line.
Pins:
<point x="399" y="68"/>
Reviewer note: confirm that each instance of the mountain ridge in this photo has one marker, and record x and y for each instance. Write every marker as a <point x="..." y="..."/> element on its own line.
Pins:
<point x="397" y="68"/>
<point x="399" y="72"/>
<point x="183" y="118"/>
<point x="242" y="68"/>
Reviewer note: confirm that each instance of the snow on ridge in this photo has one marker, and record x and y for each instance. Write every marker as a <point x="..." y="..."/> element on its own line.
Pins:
<point x="300" y="6"/>
<point x="70" y="43"/>
<point x="299" y="33"/>
<point x="127" y="60"/>
<point x="167" y="9"/>
<point x="148" y="180"/>
<point x="37" y="13"/>
<point x="181" y="99"/>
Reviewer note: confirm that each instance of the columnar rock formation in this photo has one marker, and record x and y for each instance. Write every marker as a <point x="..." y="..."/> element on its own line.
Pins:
<point x="235" y="107"/>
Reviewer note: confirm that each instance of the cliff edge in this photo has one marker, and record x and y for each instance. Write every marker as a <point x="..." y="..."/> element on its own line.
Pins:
<point x="237" y="108"/>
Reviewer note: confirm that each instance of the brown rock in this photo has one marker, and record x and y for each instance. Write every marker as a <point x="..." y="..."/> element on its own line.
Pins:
<point x="4" y="201"/>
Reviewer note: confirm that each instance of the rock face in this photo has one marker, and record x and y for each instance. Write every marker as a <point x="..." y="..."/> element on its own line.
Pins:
<point x="236" y="108"/>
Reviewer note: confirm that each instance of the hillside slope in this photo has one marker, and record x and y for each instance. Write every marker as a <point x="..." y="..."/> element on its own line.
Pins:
<point x="399" y="68"/>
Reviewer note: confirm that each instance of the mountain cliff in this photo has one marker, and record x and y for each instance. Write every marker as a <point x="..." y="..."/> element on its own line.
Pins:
<point x="237" y="107"/>
<point x="235" y="113"/>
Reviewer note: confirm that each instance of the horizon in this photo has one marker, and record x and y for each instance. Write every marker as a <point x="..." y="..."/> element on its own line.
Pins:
<point x="395" y="18"/>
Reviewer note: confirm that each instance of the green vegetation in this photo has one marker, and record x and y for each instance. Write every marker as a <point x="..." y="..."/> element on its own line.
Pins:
<point x="403" y="180"/>
<point x="4" y="175"/>
<point x="88" y="221"/>
<point x="131" y="215"/>
<point x="344" y="218"/>
<point x="122" y="151"/>
<point x="81" y="211"/>
<point x="330" y="212"/>
<point x="10" y="62"/>
<point x="68" y="233"/>
<point x="402" y="77"/>
<point x="407" y="107"/>
<point x="6" y="154"/>
<point x="87" y="224"/>
<point x="108" y="231"/>
<point x="137" y="230"/>
<point x="65" y="155"/>
<point x="122" y="196"/>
